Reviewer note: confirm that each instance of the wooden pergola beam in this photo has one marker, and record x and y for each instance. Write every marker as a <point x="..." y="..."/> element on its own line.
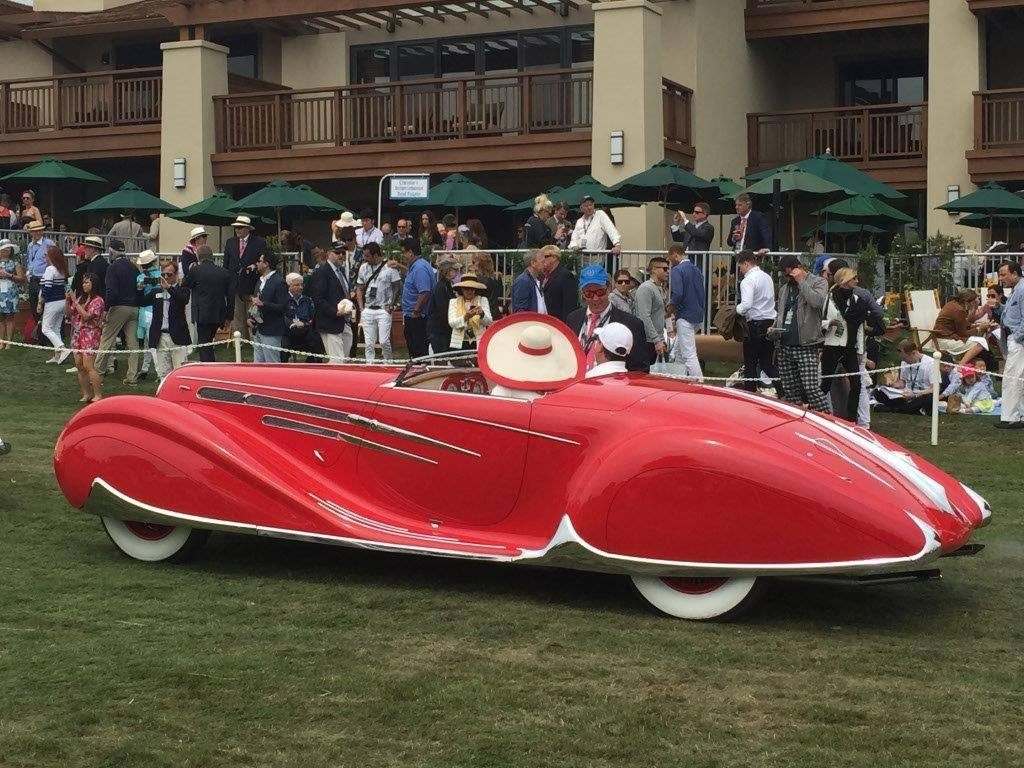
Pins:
<point x="495" y="8"/>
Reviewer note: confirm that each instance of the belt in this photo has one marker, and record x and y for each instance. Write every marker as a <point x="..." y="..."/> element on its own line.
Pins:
<point x="375" y="306"/>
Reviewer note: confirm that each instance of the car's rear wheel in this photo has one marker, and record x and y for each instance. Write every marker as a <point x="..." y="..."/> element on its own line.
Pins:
<point x="697" y="598"/>
<point x="151" y="542"/>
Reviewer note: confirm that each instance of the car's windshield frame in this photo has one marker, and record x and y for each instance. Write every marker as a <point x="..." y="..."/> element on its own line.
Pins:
<point x="462" y="358"/>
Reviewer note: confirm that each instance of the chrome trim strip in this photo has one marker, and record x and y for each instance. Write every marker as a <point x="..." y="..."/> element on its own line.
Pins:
<point x="237" y="397"/>
<point x="333" y="434"/>
<point x="983" y="506"/>
<point x="826" y="445"/>
<point x="566" y="549"/>
<point x="440" y="414"/>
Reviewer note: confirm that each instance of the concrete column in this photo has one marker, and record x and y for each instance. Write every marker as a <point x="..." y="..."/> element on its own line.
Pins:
<point x="952" y="79"/>
<point x="194" y="72"/>
<point x="627" y="98"/>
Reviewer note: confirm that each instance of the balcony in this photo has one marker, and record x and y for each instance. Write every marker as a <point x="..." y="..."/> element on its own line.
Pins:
<point x="92" y="114"/>
<point x="887" y="140"/>
<point x="791" y="18"/>
<point x="998" y="153"/>
<point x="536" y="119"/>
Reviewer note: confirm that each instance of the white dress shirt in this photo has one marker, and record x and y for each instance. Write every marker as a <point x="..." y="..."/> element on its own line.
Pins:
<point x="363" y="237"/>
<point x="603" y="369"/>
<point x="757" y="295"/>
<point x="596" y="233"/>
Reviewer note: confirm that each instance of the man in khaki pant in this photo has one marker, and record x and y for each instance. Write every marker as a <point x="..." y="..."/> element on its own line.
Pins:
<point x="122" y="297"/>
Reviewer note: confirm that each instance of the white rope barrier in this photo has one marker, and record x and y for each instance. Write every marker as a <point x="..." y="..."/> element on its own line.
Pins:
<point x="139" y="351"/>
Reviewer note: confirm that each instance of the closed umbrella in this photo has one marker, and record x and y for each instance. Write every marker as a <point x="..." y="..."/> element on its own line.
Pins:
<point x="55" y="171"/>
<point x="128" y="197"/>
<point x="827" y="167"/>
<point x="795" y="181"/>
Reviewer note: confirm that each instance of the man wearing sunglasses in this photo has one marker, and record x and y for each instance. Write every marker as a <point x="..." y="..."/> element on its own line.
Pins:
<point x="599" y="312"/>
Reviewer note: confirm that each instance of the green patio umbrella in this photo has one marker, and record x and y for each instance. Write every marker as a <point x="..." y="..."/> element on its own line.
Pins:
<point x="526" y="206"/>
<point x="665" y="183"/>
<point x="128" y="197"/>
<point x="56" y="171"/>
<point x="836" y="227"/>
<point x="589" y="186"/>
<point x="326" y="205"/>
<point x="991" y="200"/>
<point x="795" y="181"/>
<point x="827" y="167"/>
<point x="862" y="209"/>
<point x="278" y="196"/>
<point x="214" y="211"/>
<point x="456" y="191"/>
<point x="981" y="221"/>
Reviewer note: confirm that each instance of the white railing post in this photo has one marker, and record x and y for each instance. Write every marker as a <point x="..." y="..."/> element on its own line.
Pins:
<point x="238" y="346"/>
<point x="936" y="378"/>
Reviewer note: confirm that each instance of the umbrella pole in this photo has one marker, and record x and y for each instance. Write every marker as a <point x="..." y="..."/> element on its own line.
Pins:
<point x="53" y="211"/>
<point x="792" y="221"/>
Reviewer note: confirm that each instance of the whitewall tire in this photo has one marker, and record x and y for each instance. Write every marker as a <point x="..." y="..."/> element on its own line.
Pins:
<point x="697" y="598"/>
<point x="152" y="543"/>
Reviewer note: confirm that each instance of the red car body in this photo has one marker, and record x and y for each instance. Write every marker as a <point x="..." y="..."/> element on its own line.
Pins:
<point x="634" y="474"/>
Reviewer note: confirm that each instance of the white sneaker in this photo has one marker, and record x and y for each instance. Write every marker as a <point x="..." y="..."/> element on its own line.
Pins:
<point x="64" y="356"/>
<point x="71" y="370"/>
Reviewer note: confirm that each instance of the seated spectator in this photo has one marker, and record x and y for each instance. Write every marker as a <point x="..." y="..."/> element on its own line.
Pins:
<point x="622" y="294"/>
<point x="974" y="392"/>
<point x="955" y="330"/>
<point x="86" y="330"/>
<point x="912" y="392"/>
<point x="298" y="317"/>
<point x="469" y="313"/>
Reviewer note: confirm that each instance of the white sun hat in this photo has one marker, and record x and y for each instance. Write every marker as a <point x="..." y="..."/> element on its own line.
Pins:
<point x="146" y="258"/>
<point x="347" y="220"/>
<point x="243" y="221"/>
<point x="529" y="350"/>
<point x="197" y="232"/>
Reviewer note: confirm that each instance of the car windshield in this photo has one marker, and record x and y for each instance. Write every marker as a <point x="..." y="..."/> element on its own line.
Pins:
<point x="443" y="362"/>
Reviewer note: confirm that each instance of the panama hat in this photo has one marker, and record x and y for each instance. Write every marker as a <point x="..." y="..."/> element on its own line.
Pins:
<point x="243" y="221"/>
<point x="469" y="281"/>
<point x="529" y="350"/>
<point x="5" y="244"/>
<point x="94" y="241"/>
<point x="35" y="226"/>
<point x="146" y="258"/>
<point x="197" y="232"/>
<point x="347" y="220"/>
<point x="346" y="307"/>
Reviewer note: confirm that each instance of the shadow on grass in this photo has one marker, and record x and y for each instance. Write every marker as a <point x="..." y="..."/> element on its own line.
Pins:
<point x="907" y="608"/>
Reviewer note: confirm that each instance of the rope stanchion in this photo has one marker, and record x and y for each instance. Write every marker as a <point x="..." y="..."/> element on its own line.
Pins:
<point x="237" y="337"/>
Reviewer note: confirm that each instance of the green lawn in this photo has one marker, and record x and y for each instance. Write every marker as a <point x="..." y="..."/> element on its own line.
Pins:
<point x="268" y="653"/>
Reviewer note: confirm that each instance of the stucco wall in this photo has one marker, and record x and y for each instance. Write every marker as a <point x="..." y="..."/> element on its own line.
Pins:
<point x="314" y="61"/>
<point x="77" y="6"/>
<point x="25" y="59"/>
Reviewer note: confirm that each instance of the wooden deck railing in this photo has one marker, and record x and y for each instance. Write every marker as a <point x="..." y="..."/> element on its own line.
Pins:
<point x="854" y="134"/>
<point x="677" y="103"/>
<point x="86" y="100"/>
<point x="999" y="118"/>
<point x="807" y="5"/>
<point x="415" y="110"/>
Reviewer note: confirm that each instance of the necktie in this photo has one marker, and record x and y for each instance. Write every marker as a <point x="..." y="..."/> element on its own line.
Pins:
<point x="591" y="343"/>
<point x="743" y="231"/>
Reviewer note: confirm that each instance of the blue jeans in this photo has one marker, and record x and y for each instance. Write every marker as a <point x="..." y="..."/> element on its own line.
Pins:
<point x="263" y="355"/>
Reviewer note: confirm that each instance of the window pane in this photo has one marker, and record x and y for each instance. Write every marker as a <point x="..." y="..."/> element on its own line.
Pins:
<point x="415" y="61"/>
<point x="543" y="50"/>
<point x="582" y="47"/>
<point x="501" y="55"/>
<point x="458" y="59"/>
<point x="242" y="65"/>
<point x="910" y="89"/>
<point x="867" y="91"/>
<point x="373" y="65"/>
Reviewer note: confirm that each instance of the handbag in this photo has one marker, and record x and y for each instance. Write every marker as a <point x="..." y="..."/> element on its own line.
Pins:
<point x="31" y="331"/>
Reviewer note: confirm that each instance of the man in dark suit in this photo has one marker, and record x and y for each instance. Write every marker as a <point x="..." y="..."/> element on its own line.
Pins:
<point x="598" y="312"/>
<point x="526" y="292"/>
<point x="267" y="315"/>
<point x="212" y="299"/>
<point x="93" y="263"/>
<point x="327" y="287"/>
<point x="560" y="296"/>
<point x="749" y="231"/>
<point x="169" y="336"/>
<point x="697" y="234"/>
<point x="240" y="255"/>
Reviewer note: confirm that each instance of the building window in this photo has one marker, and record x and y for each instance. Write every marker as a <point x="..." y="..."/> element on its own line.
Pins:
<point x="542" y="51"/>
<point x="501" y="55"/>
<point x="373" y="65"/>
<point x="418" y="60"/>
<point x="581" y="52"/>
<point x="458" y="59"/>
<point x="243" y="54"/>
<point x="883" y="82"/>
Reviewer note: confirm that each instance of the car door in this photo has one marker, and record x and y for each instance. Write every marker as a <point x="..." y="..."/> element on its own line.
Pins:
<point x="445" y="456"/>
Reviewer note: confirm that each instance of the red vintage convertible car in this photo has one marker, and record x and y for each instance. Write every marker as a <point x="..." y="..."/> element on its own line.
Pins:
<point x="695" y="493"/>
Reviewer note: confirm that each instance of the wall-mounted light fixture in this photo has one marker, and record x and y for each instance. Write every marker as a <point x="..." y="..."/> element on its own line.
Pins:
<point x="179" y="173"/>
<point x="952" y="193"/>
<point x="616" y="148"/>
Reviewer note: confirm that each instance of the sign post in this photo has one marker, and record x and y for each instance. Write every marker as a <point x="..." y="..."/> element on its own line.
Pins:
<point x="404" y="186"/>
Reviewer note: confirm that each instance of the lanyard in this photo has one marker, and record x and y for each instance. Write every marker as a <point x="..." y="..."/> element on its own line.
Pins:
<point x="588" y="339"/>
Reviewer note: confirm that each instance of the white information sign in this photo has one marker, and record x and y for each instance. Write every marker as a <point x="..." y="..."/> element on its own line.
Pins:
<point x="412" y="186"/>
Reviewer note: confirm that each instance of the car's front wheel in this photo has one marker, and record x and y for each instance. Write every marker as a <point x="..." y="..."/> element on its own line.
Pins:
<point x="151" y="542"/>
<point x="697" y="598"/>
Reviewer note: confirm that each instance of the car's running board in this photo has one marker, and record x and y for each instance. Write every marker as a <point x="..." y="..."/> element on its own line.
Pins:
<point x="965" y="551"/>
<point x="872" y="578"/>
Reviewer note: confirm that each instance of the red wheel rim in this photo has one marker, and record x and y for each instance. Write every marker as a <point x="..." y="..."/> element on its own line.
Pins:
<point x="693" y="586"/>
<point x="148" y="531"/>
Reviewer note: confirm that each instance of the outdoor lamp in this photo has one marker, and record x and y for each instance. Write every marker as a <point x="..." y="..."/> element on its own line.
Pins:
<point x="952" y="193"/>
<point x="179" y="173"/>
<point x="616" y="148"/>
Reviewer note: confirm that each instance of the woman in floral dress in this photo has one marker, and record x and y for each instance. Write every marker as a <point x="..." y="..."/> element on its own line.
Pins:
<point x="12" y="277"/>
<point x="86" y="328"/>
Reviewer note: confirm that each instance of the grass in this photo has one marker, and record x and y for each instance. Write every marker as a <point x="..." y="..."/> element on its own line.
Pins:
<point x="267" y="653"/>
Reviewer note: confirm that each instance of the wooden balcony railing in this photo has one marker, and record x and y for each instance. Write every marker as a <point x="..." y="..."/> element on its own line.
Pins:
<point x="677" y="101"/>
<point x="999" y="118"/>
<point x="807" y="5"/>
<point x="455" y="108"/>
<point x="86" y="100"/>
<point x="854" y="134"/>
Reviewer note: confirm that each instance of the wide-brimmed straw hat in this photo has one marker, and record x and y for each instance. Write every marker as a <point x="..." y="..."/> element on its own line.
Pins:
<point x="347" y="220"/>
<point x="94" y="241"/>
<point x="5" y="244"/>
<point x="529" y="350"/>
<point x="145" y="258"/>
<point x="35" y="226"/>
<point x="470" y="281"/>
<point x="197" y="232"/>
<point x="243" y="221"/>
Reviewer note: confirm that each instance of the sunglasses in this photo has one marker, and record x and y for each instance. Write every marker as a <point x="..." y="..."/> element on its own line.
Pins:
<point x="595" y="293"/>
<point x="623" y="282"/>
<point x="170" y="274"/>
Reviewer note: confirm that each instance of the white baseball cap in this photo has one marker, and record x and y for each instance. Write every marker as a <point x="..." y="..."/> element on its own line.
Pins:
<point x="616" y="338"/>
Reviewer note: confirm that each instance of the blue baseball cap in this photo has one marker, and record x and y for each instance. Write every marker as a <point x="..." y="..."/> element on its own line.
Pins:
<point x="593" y="274"/>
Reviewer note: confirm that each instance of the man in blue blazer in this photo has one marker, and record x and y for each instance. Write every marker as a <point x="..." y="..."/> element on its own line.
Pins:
<point x="240" y="255"/>
<point x="267" y="316"/>
<point x="527" y="295"/>
<point x="749" y="231"/>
